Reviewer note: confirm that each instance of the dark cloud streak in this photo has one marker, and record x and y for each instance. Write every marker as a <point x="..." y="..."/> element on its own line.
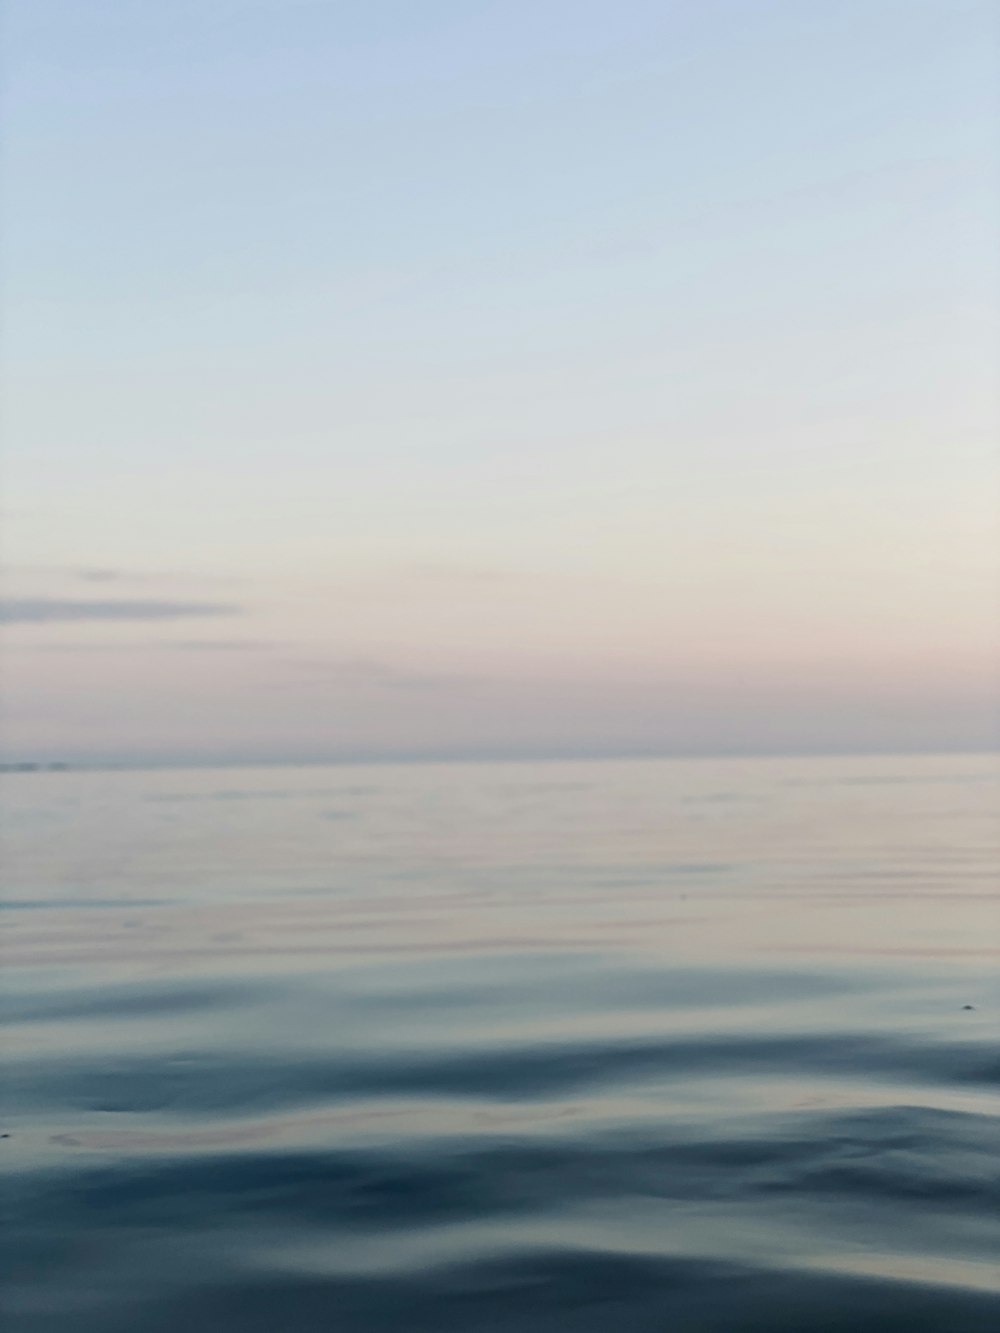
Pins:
<point x="151" y="646"/>
<point x="56" y="610"/>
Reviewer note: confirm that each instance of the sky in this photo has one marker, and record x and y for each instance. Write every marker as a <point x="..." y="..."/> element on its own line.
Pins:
<point x="495" y="377"/>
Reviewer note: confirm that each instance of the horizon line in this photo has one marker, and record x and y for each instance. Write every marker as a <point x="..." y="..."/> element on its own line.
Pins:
<point x="69" y="762"/>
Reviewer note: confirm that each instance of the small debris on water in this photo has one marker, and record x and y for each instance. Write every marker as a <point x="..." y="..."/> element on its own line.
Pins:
<point x="968" y="1006"/>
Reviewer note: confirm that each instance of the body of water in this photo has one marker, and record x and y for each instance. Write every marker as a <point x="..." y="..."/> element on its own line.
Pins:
<point x="701" y="1046"/>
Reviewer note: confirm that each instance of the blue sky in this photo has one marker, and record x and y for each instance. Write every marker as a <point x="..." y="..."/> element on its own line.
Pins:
<point x="476" y="377"/>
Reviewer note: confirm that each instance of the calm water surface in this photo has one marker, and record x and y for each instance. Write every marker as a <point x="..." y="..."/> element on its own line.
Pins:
<point x="649" y="1046"/>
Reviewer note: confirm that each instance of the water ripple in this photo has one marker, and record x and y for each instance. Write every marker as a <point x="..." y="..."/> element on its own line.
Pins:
<point x="504" y="1051"/>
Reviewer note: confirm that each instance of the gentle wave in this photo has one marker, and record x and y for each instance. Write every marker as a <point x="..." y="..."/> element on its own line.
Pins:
<point x="502" y="1082"/>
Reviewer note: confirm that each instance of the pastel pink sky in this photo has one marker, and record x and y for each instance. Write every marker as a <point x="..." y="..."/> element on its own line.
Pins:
<point x="501" y="379"/>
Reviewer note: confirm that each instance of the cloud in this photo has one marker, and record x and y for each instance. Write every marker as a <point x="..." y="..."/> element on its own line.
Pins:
<point x="467" y="574"/>
<point x="368" y="672"/>
<point x="54" y="610"/>
<point x="220" y="645"/>
<point x="101" y="574"/>
<point x="62" y="574"/>
<point x="149" y="646"/>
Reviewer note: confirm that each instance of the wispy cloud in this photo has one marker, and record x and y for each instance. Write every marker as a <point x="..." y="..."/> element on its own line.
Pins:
<point x="150" y="646"/>
<point x="220" y="645"/>
<point x="369" y="672"/>
<point x="99" y="575"/>
<point x="73" y="574"/>
<point x="55" y="610"/>
<point x="446" y="573"/>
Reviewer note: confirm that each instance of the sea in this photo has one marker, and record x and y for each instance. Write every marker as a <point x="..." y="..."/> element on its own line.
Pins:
<point x="620" y="1046"/>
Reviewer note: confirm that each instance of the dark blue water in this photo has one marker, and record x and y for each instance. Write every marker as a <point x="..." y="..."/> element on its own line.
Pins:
<point x="679" y="1046"/>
